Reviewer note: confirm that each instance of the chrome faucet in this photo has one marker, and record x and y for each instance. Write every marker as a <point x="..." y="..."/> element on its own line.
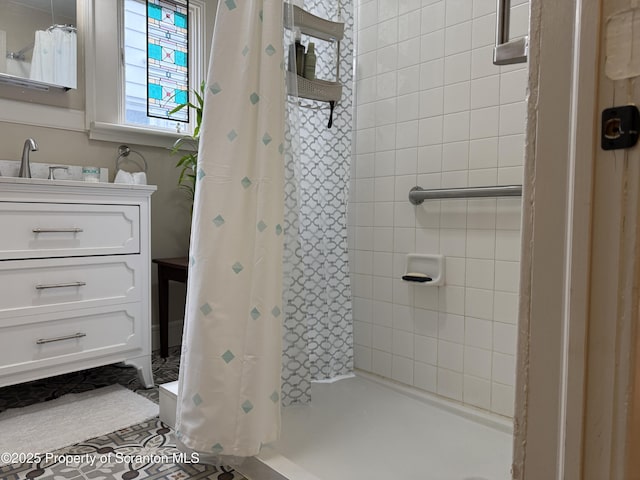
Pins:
<point x="30" y="145"/>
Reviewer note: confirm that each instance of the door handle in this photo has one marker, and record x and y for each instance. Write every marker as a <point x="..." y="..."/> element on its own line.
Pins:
<point x="507" y="52"/>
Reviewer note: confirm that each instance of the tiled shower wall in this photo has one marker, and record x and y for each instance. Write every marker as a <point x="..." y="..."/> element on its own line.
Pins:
<point x="432" y="110"/>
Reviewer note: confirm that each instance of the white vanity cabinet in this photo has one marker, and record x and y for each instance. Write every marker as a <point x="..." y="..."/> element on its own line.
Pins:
<point x="75" y="282"/>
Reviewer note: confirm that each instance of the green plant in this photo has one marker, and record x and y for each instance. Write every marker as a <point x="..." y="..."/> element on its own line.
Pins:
<point x="188" y="163"/>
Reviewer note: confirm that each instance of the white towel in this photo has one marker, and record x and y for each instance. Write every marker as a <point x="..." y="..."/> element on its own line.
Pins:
<point x="137" y="178"/>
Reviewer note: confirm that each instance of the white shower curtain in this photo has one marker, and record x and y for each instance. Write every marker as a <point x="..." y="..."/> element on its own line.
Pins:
<point x="54" y="58"/>
<point x="229" y="389"/>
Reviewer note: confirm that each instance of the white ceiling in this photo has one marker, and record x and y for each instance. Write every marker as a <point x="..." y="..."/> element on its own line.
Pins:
<point x="62" y="8"/>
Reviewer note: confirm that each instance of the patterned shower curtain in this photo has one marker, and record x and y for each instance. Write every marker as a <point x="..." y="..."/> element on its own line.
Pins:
<point x="318" y="327"/>
<point x="229" y="390"/>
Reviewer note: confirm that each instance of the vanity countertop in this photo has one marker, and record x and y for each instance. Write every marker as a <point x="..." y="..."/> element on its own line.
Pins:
<point x="74" y="186"/>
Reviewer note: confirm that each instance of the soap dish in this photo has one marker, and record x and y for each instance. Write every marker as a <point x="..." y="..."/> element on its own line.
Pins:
<point x="422" y="269"/>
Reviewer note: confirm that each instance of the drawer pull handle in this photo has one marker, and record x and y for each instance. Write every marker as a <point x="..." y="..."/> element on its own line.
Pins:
<point x="42" y="341"/>
<point x="57" y="230"/>
<point x="61" y="285"/>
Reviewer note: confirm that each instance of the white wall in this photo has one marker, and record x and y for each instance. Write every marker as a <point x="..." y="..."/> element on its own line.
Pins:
<point x="433" y="111"/>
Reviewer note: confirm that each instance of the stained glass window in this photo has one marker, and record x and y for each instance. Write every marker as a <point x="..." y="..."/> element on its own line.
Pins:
<point x="167" y="58"/>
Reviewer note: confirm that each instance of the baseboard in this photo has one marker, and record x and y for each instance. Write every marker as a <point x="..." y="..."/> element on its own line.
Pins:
<point x="490" y="419"/>
<point x="175" y="334"/>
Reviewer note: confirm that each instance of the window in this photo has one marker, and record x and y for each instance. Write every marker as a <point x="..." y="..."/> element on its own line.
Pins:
<point x="117" y="72"/>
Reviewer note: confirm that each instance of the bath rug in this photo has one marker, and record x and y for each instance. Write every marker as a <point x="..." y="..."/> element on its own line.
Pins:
<point x="70" y="419"/>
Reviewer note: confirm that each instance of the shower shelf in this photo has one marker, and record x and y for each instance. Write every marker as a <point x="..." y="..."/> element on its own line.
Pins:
<point x="314" y="26"/>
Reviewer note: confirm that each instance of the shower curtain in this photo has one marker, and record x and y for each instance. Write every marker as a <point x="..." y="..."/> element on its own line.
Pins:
<point x="229" y="388"/>
<point x="54" y="58"/>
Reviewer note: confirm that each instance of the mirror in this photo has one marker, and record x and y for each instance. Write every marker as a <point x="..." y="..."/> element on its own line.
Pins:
<point x="38" y="43"/>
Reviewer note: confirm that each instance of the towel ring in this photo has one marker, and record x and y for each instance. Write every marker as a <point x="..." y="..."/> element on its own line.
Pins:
<point x="123" y="153"/>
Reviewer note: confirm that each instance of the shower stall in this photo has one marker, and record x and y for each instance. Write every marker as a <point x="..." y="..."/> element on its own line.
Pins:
<point x="435" y="365"/>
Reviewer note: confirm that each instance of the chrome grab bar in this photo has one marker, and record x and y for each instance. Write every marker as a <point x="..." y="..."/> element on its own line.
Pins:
<point x="417" y="195"/>
<point x="42" y="341"/>
<point x="61" y="285"/>
<point x="57" y="230"/>
<point x="508" y="52"/>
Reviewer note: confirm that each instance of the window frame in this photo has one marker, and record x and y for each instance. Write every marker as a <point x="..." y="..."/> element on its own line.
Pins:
<point x="105" y="94"/>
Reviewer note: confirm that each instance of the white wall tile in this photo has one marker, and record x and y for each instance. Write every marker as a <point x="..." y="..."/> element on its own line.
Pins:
<point x="509" y="212"/>
<point x="403" y="343"/>
<point x="403" y="318"/>
<point x="485" y="92"/>
<point x="519" y="20"/>
<point x="382" y="313"/>
<point x="502" y="399"/>
<point x="425" y="376"/>
<point x="511" y="151"/>
<point x="455" y="156"/>
<point x="363" y="262"/>
<point x="512" y="118"/>
<point x="507" y="276"/>
<point x="408" y="5"/>
<point x="482" y="62"/>
<point x="428" y="241"/>
<point x="362" y="333"/>
<point x="386" y="137"/>
<point x="381" y="363"/>
<point x="361" y="285"/>
<point x="403" y="292"/>
<point x="451" y="328"/>
<point x="483" y="153"/>
<point x="477" y="392"/>
<point x="504" y="368"/>
<point x="404" y="215"/>
<point x="477" y="362"/>
<point x="387" y="33"/>
<point x="428" y="214"/>
<point x="406" y="137"/>
<point x="483" y="31"/>
<point x="382" y="289"/>
<point x="456" y="97"/>
<point x="408" y="80"/>
<point x="368" y="15"/>
<point x="450" y="356"/>
<point x="504" y="338"/>
<point x="364" y="238"/>
<point x="431" y="74"/>
<point x="483" y="177"/>
<point x="429" y="131"/>
<point x="387" y="9"/>
<point x="402" y="370"/>
<point x="505" y="307"/>
<point x="431" y="102"/>
<point x="483" y="7"/>
<point x="457" y="68"/>
<point x="432" y="46"/>
<point x="453" y="214"/>
<point x="481" y="213"/>
<point x="480" y="273"/>
<point x="455" y="269"/>
<point x="383" y="189"/>
<point x="455" y="127"/>
<point x="409" y="27"/>
<point x="457" y="38"/>
<point x="387" y="59"/>
<point x="433" y="17"/>
<point x="383" y="217"/>
<point x="513" y="86"/>
<point x="364" y="190"/>
<point x="362" y="309"/>
<point x="362" y="357"/>
<point x="478" y="333"/>
<point x="426" y="321"/>
<point x="408" y="107"/>
<point x="484" y="122"/>
<point x="480" y="243"/>
<point x="510" y="175"/>
<point x="382" y="338"/>
<point x="508" y="245"/>
<point x="450" y="384"/>
<point x="382" y="264"/>
<point x="478" y="303"/>
<point x="451" y="299"/>
<point x="384" y="163"/>
<point x="427" y="299"/>
<point x="456" y="179"/>
<point x="365" y="141"/>
<point x="403" y="183"/>
<point x="453" y="242"/>
<point x="426" y="349"/>
<point x="383" y="239"/>
<point x="385" y="111"/>
<point x="458" y="11"/>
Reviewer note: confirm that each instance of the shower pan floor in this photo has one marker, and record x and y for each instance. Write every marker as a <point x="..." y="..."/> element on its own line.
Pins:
<point x="357" y="429"/>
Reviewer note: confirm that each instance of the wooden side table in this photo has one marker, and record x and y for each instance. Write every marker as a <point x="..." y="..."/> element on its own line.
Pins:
<point x="175" y="269"/>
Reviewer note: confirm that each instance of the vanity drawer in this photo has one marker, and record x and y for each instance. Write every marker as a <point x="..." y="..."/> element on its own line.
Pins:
<point x="29" y="287"/>
<point x="64" y="337"/>
<point x="41" y="230"/>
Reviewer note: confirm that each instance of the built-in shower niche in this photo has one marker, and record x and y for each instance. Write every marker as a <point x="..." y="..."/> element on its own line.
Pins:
<point x="425" y="270"/>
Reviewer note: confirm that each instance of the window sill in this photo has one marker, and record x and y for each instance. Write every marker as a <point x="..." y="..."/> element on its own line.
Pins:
<point x="112" y="132"/>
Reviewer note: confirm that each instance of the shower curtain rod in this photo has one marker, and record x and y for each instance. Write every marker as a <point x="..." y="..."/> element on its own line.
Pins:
<point x="19" y="55"/>
<point x="417" y="195"/>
